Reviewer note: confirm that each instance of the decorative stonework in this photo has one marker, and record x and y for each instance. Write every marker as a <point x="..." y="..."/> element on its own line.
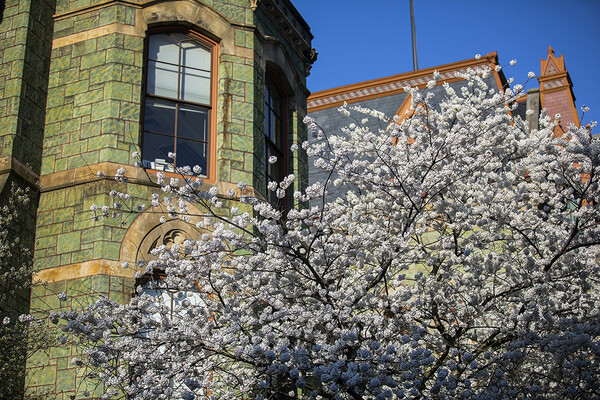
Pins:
<point x="167" y="234"/>
<point x="291" y="25"/>
<point x="554" y="84"/>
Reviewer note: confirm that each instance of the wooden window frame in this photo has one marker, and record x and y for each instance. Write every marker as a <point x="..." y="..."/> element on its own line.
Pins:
<point x="209" y="175"/>
<point x="281" y="150"/>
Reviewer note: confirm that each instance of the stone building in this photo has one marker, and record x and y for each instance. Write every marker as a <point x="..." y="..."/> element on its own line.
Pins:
<point x="387" y="95"/>
<point x="86" y="83"/>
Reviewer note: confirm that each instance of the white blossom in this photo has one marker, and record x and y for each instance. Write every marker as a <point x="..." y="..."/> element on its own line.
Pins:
<point x="461" y="261"/>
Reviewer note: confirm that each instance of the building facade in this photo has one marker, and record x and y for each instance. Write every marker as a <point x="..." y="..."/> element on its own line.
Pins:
<point x="387" y="95"/>
<point x="85" y="84"/>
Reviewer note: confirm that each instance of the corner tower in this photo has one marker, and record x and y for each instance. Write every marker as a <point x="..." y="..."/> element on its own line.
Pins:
<point x="220" y="83"/>
<point x="556" y="92"/>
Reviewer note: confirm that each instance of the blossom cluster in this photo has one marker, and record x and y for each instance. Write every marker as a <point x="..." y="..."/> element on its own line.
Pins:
<point x="461" y="263"/>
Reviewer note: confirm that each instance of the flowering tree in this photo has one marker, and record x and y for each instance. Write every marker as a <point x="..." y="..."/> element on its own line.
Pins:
<point x="462" y="263"/>
<point x="20" y="333"/>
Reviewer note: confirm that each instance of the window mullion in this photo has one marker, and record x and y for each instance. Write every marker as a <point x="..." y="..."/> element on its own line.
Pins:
<point x="179" y="96"/>
<point x="191" y="120"/>
<point x="175" y="133"/>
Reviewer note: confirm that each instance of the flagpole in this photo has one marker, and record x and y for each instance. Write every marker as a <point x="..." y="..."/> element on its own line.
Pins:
<point x="414" y="36"/>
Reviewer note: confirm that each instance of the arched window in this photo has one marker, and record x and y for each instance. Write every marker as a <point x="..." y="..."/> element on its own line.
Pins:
<point x="178" y="102"/>
<point x="275" y="136"/>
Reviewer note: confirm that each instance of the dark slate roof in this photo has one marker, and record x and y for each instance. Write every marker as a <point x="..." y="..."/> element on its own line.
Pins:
<point x="331" y="121"/>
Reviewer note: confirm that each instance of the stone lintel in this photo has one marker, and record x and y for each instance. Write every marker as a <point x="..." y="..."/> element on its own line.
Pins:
<point x="10" y="164"/>
<point x="97" y="32"/>
<point x="88" y="173"/>
<point x="83" y="270"/>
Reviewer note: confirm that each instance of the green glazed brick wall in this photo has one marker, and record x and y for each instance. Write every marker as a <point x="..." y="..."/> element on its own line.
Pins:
<point x="93" y="115"/>
<point x="51" y="370"/>
<point x="235" y="110"/>
<point x="67" y="232"/>
<point x="25" y="40"/>
<point x="94" y="97"/>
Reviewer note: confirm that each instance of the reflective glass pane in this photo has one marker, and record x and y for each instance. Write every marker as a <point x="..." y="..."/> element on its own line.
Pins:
<point x="279" y="129"/>
<point x="155" y="151"/>
<point x="195" y="85"/>
<point x="159" y="117"/>
<point x="267" y="120"/>
<point x="192" y="123"/>
<point x="162" y="79"/>
<point x="163" y="47"/>
<point x="273" y="128"/>
<point x="194" y="298"/>
<point x="192" y="153"/>
<point x="275" y="171"/>
<point x="194" y="55"/>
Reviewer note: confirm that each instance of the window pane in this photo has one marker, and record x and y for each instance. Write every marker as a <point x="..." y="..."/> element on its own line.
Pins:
<point x="159" y="117"/>
<point x="194" y="55"/>
<point x="192" y="153"/>
<point x="163" y="48"/>
<point x="274" y="171"/>
<point x="192" y="123"/>
<point x="195" y="85"/>
<point x="156" y="150"/>
<point x="274" y="128"/>
<point x="193" y="297"/>
<point x="162" y="79"/>
<point x="267" y="120"/>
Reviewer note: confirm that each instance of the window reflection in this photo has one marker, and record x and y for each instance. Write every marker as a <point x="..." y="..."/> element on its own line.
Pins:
<point x="275" y="137"/>
<point x="178" y="102"/>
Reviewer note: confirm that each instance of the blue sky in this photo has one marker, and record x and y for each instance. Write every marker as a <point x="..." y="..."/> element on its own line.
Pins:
<point x="358" y="40"/>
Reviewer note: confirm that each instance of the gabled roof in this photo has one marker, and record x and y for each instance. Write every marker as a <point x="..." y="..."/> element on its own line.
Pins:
<point x="556" y="90"/>
<point x="395" y="84"/>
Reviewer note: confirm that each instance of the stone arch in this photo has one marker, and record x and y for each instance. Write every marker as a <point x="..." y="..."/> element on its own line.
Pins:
<point x="147" y="230"/>
<point x="278" y="61"/>
<point x="192" y="13"/>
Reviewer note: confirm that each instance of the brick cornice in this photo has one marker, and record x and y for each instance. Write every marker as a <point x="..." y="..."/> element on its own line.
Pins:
<point x="395" y="84"/>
